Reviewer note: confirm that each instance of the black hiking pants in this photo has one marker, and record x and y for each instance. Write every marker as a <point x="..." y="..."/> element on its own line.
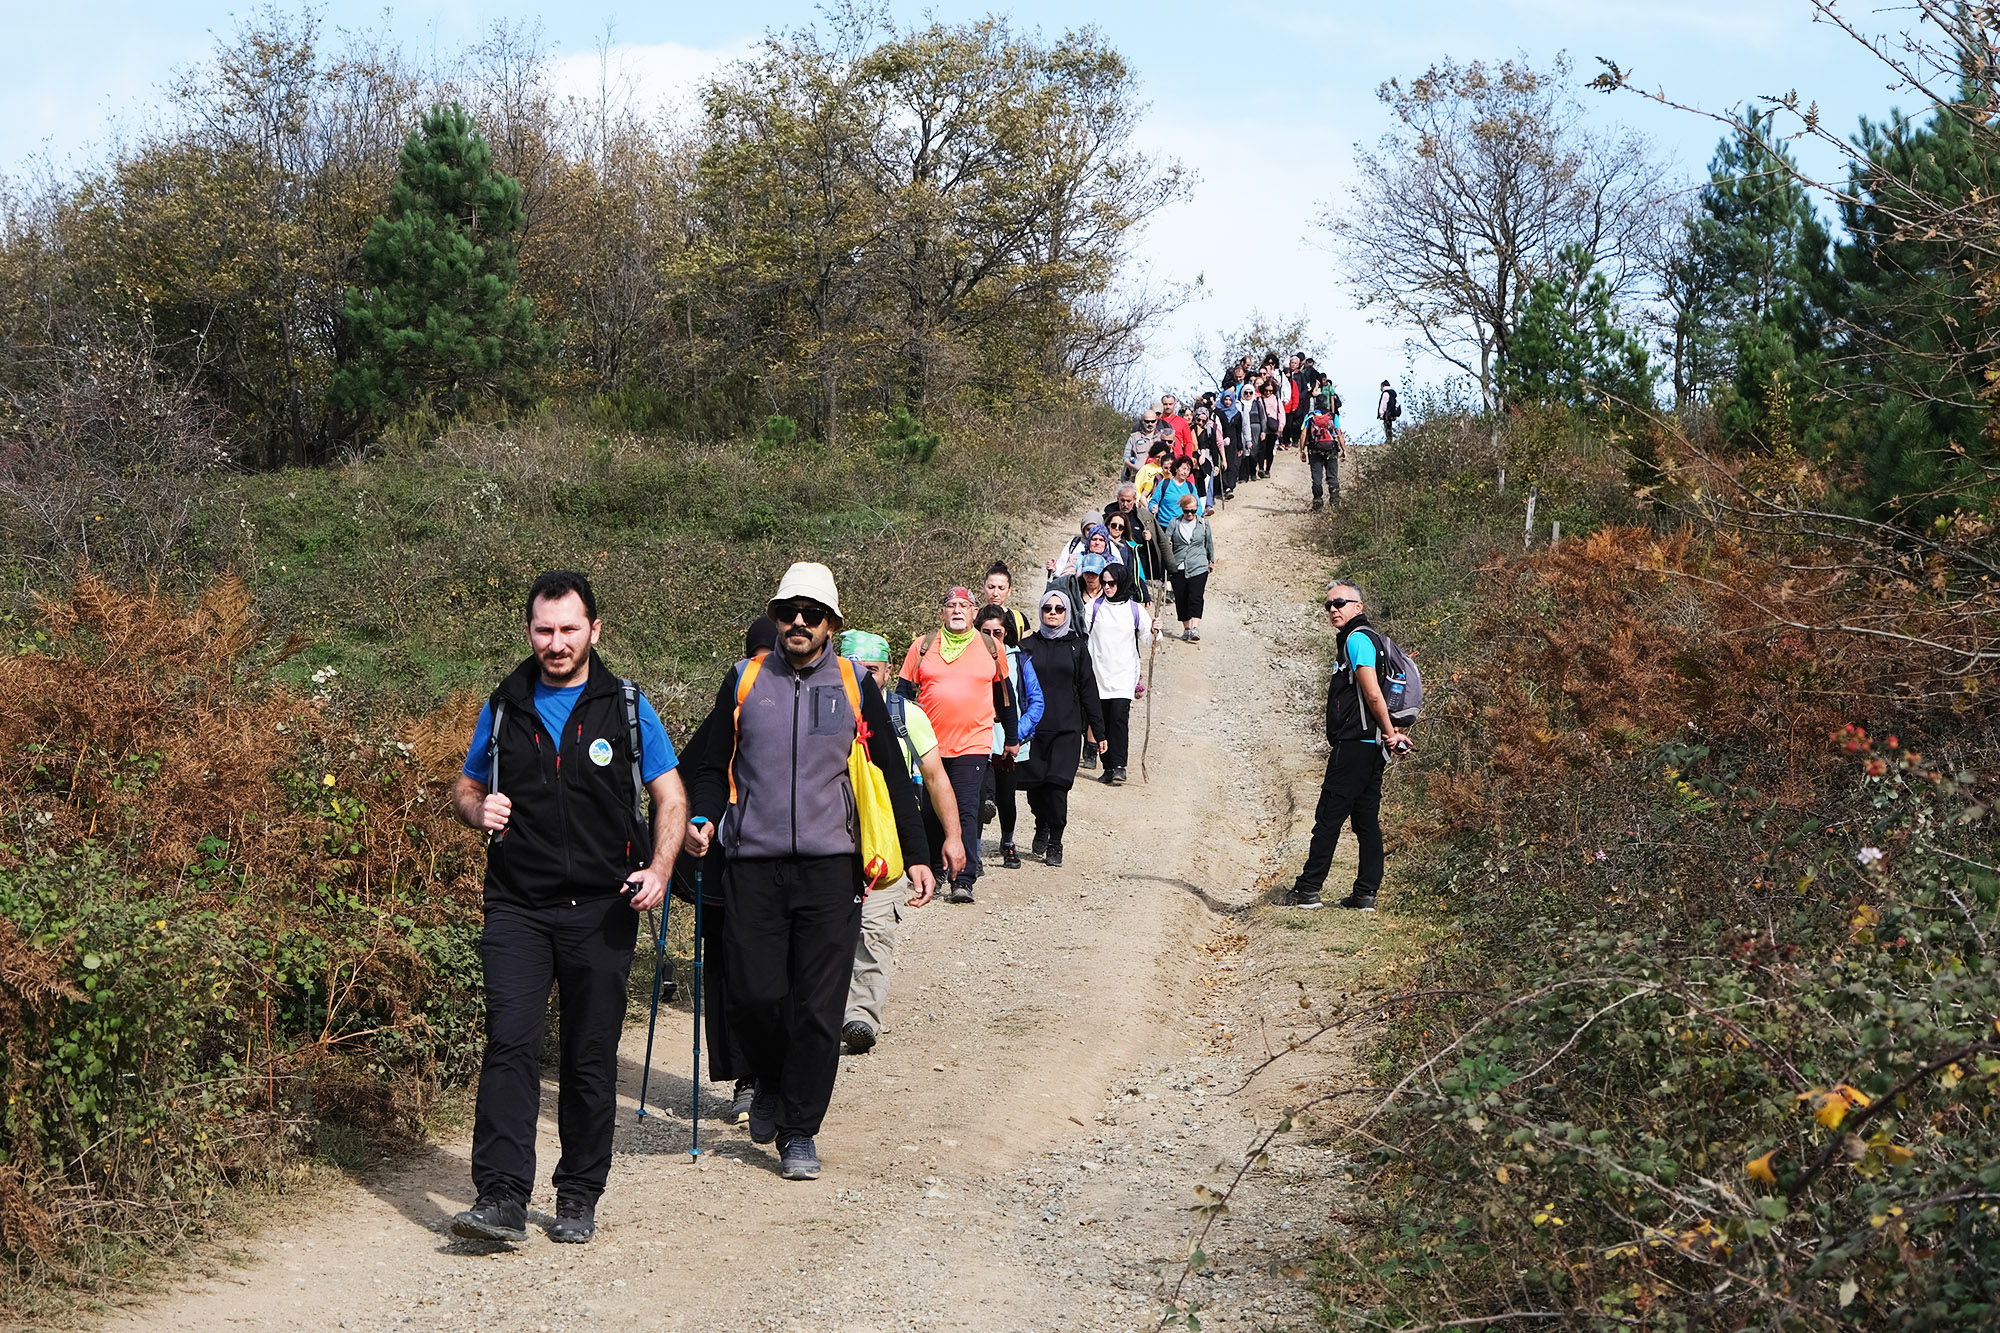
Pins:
<point x="725" y="1060"/>
<point x="789" y="935"/>
<point x="1350" y="792"/>
<point x="583" y="950"/>
<point x="967" y="773"/>
<point x="1324" y="464"/>
<point x="1050" y="806"/>
<point x="1117" y="731"/>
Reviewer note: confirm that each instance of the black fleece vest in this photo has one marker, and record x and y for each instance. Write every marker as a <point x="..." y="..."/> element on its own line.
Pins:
<point x="572" y="834"/>
<point x="1347" y="717"/>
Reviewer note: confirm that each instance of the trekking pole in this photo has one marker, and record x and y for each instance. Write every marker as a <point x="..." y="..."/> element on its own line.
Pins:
<point x="659" y="963"/>
<point x="1152" y="688"/>
<point x="694" y="1083"/>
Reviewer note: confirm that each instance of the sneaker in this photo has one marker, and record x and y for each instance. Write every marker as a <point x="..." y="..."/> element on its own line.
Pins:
<point x="1009" y="858"/>
<point x="1109" y="776"/>
<point x="1040" y="844"/>
<point x="1318" y="503"/>
<point x="575" y="1223"/>
<point x="763" y="1117"/>
<point x="858" y="1037"/>
<point x="1054" y="854"/>
<point x="1118" y="776"/>
<point x="1187" y="636"/>
<point x="1358" y="901"/>
<point x="739" y="1102"/>
<point x="1089" y="757"/>
<point x="988" y="812"/>
<point x="1307" y="899"/>
<point x="492" y="1219"/>
<point x="798" y="1159"/>
<point x="961" y="891"/>
<point x="1194" y="636"/>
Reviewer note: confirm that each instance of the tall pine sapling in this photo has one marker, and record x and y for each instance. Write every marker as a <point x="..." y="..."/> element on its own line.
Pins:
<point x="438" y="326"/>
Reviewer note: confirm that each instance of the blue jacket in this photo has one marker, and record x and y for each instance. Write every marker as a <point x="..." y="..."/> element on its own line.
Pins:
<point x="1030" y="694"/>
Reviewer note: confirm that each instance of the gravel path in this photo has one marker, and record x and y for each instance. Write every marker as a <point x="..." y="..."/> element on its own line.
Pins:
<point x="1061" y="1068"/>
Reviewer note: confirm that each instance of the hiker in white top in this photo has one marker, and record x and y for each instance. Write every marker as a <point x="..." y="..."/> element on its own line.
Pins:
<point x="1117" y="627"/>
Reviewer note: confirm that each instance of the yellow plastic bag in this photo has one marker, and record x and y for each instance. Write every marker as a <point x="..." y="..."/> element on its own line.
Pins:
<point x="879" y="838"/>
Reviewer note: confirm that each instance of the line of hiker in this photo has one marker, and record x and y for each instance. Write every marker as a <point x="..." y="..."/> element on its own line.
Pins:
<point x="828" y="791"/>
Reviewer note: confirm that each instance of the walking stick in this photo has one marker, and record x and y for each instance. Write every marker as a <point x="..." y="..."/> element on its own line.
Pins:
<point x="659" y="962"/>
<point x="694" y="1083"/>
<point x="1152" y="688"/>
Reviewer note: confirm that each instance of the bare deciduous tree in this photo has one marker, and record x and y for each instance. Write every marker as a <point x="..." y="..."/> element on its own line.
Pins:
<point x="1490" y="173"/>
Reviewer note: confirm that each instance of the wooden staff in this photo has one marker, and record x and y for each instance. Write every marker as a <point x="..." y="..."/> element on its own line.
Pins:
<point x="1151" y="689"/>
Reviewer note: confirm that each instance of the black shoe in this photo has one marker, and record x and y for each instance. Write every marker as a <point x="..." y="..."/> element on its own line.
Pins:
<point x="492" y="1219"/>
<point x="858" y="1037"/>
<point x="739" y="1102"/>
<point x="1054" y="854"/>
<point x="575" y="1223"/>
<point x="1318" y="503"/>
<point x="1009" y="858"/>
<point x="1040" y="844"/>
<point x="763" y="1117"/>
<point x="1118" y="776"/>
<point x="1107" y="777"/>
<point x="961" y="891"/>
<point x="798" y="1159"/>
<point x="1358" y="901"/>
<point x="1305" y="898"/>
<point x="1089" y="757"/>
<point x="988" y="812"/>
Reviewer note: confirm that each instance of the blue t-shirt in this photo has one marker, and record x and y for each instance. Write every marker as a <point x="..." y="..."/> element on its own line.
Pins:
<point x="1360" y="651"/>
<point x="656" y="752"/>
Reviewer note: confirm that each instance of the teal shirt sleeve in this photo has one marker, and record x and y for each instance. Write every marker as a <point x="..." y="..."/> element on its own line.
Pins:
<point x="1361" y="649"/>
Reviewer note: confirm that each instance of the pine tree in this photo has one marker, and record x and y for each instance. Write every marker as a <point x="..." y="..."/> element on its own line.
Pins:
<point x="1568" y="346"/>
<point x="438" y="325"/>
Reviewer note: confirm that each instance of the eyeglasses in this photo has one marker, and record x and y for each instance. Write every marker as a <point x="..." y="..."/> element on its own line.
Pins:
<point x="995" y="630"/>
<point x="1055" y="609"/>
<point x="1114" y="528"/>
<point x="784" y="613"/>
<point x="1335" y="603"/>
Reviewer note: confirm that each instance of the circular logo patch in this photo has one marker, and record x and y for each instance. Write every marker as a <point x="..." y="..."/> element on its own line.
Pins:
<point x="600" y="752"/>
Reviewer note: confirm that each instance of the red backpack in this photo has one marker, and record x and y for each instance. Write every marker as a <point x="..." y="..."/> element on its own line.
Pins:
<point x="1321" y="433"/>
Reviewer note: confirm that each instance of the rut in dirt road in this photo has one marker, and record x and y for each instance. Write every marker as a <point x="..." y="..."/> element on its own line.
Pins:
<point x="1019" y="1150"/>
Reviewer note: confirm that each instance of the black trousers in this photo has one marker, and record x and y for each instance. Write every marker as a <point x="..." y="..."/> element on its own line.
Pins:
<point x="1117" y="731"/>
<point x="584" y="949"/>
<point x="1189" y="590"/>
<point x="788" y="933"/>
<point x="1001" y="775"/>
<point x="725" y="1059"/>
<point x="1050" y="807"/>
<point x="968" y="780"/>
<point x="1351" y="791"/>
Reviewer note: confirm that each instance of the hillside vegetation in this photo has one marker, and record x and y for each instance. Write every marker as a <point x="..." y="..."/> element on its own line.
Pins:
<point x="1710" y="1034"/>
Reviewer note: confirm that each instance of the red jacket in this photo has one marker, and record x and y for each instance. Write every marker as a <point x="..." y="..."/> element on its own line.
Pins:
<point x="1183" y="434"/>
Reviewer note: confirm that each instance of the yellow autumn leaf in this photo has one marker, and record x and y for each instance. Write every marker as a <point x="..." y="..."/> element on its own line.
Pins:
<point x="327" y="780"/>
<point x="1501" y="1175"/>
<point x="1897" y="1153"/>
<point x="1759" y="1168"/>
<point x="1831" y="1105"/>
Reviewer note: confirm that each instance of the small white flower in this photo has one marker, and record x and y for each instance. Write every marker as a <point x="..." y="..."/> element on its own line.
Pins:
<point x="1869" y="856"/>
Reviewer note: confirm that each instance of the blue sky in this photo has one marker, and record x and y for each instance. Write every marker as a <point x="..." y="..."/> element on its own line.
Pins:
<point x="1230" y="85"/>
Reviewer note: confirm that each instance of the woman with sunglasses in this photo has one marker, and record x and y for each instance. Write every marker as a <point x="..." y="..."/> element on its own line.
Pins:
<point x="1125" y="549"/>
<point x="1116" y="627"/>
<point x="1061" y="662"/>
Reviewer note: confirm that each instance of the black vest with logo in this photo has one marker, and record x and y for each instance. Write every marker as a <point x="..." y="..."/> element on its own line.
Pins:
<point x="572" y="833"/>
<point x="1347" y="715"/>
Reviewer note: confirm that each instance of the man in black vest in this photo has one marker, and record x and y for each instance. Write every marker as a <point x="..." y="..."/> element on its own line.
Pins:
<point x="553" y="777"/>
<point x="1360" y="735"/>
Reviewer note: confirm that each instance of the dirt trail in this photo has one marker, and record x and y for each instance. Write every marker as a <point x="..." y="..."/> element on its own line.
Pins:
<point x="1019" y="1151"/>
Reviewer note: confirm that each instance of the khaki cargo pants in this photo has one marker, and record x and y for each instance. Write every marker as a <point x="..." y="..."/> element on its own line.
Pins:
<point x="875" y="954"/>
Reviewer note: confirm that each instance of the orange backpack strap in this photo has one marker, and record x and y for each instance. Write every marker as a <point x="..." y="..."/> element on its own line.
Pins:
<point x="745" y="678"/>
<point x="852" y="684"/>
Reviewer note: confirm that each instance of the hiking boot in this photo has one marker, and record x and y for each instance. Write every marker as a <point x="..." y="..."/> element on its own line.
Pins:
<point x="1040" y="844"/>
<point x="1318" y="503"/>
<point x="858" y="1037"/>
<point x="739" y="1101"/>
<point x="961" y="891"/>
<point x="1009" y="858"/>
<point x="763" y="1117"/>
<point x="492" y="1219"/>
<point x="987" y="813"/>
<point x="1118" y="776"/>
<point x="1305" y="898"/>
<point x="1054" y="854"/>
<point x="575" y="1223"/>
<point x="1089" y="758"/>
<point x="1358" y="901"/>
<point x="797" y="1158"/>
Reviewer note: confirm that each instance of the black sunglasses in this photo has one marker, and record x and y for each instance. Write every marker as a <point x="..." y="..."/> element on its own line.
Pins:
<point x="1055" y="608"/>
<point x="1335" y="603"/>
<point x="812" y="613"/>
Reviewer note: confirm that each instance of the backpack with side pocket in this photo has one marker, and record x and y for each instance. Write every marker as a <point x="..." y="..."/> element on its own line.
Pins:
<point x="1320" y="433"/>
<point x="1402" y="684"/>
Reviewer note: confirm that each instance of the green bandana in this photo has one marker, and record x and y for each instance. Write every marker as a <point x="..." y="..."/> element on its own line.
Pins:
<point x="953" y="642"/>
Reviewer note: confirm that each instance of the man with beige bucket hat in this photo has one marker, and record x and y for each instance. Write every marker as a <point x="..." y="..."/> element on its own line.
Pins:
<point x="785" y="811"/>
